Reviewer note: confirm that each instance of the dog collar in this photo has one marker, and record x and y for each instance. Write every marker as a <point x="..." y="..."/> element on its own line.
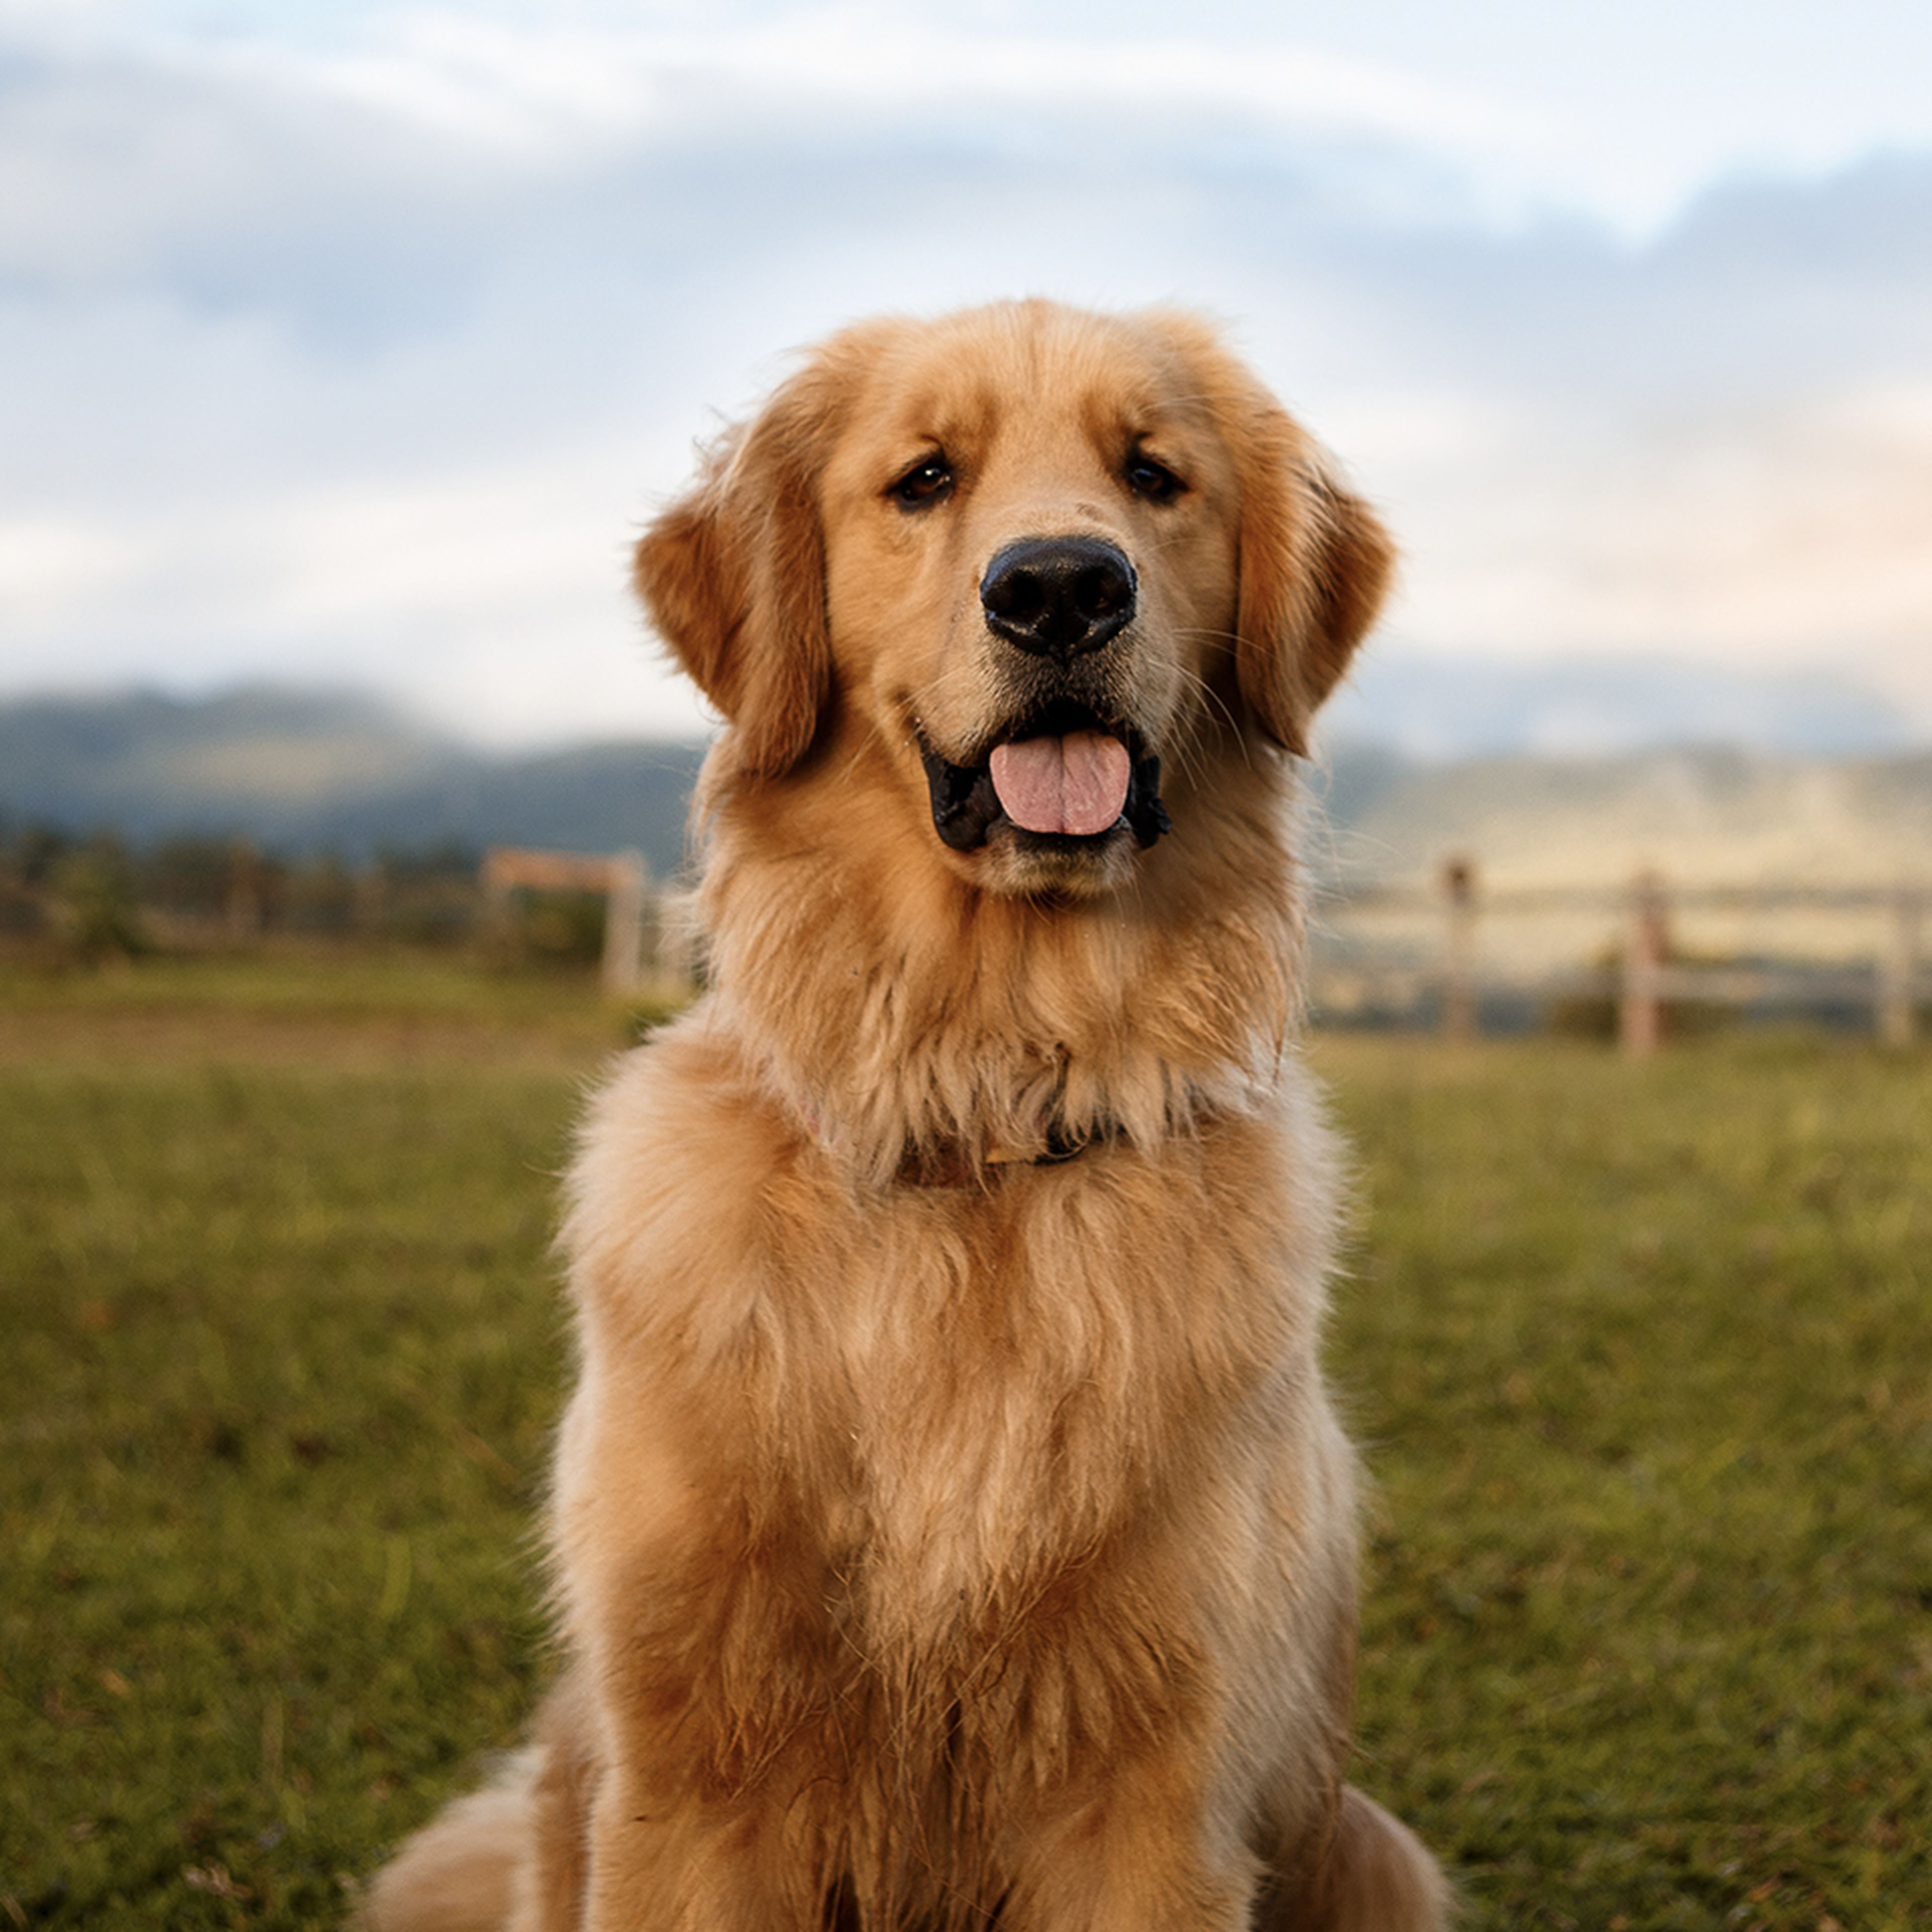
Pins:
<point x="950" y="1163"/>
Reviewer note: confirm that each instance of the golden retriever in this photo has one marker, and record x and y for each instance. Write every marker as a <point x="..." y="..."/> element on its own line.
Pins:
<point x="950" y="1525"/>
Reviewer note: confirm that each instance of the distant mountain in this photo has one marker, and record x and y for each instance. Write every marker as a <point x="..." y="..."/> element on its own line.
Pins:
<point x="306" y="772"/>
<point x="1444" y="707"/>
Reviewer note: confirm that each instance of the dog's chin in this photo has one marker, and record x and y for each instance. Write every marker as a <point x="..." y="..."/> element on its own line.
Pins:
<point x="1018" y="864"/>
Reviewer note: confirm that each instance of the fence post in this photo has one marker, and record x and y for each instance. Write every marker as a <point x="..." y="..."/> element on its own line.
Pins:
<point x="370" y="905"/>
<point x="1646" y="948"/>
<point x="1898" y="971"/>
<point x="243" y="906"/>
<point x="1459" y="969"/>
<point x="498" y="928"/>
<point x="623" y="969"/>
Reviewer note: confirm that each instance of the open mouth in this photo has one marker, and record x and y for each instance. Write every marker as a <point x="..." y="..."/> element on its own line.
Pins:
<point x="1062" y="777"/>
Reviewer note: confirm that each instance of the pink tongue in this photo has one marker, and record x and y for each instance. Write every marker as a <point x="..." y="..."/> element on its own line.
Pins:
<point x="1076" y="783"/>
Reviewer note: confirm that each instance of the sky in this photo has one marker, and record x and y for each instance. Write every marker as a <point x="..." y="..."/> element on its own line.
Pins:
<point x="353" y="343"/>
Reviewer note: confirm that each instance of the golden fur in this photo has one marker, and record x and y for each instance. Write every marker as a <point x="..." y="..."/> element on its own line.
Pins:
<point x="950" y="1524"/>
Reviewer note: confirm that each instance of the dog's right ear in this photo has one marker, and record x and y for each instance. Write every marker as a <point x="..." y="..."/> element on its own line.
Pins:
<point x="733" y="576"/>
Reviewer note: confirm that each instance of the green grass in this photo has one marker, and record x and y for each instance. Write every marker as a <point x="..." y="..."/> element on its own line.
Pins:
<point x="1642" y="1357"/>
<point x="284" y="1355"/>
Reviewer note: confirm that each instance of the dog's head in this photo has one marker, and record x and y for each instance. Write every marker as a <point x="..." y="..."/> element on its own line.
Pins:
<point x="1027" y="553"/>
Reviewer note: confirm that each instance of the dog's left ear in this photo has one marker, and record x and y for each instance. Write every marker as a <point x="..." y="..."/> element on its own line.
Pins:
<point x="733" y="575"/>
<point x="1315" y="563"/>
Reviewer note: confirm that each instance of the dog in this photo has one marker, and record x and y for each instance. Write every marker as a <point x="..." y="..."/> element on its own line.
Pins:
<point x="950" y="1527"/>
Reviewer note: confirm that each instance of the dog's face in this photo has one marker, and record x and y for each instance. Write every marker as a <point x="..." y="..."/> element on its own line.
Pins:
<point x="1030" y="553"/>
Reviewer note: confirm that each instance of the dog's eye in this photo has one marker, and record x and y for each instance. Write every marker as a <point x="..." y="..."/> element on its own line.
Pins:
<point x="1154" y="481"/>
<point x="926" y="482"/>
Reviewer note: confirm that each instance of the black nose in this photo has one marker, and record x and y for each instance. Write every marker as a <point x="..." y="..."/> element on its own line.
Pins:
<point x="1058" y="596"/>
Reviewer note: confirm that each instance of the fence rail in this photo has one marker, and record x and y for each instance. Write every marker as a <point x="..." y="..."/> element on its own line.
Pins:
<point x="1648" y="975"/>
<point x="622" y="877"/>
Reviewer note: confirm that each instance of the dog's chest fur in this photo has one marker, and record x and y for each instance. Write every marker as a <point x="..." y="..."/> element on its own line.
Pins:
<point x="1015" y="1367"/>
<point x="956" y="1395"/>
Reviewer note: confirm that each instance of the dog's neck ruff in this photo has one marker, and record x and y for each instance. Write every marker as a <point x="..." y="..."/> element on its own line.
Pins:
<point x="919" y="1030"/>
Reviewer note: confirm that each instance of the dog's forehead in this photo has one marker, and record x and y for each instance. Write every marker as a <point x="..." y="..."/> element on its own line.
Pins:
<point x="1038" y="373"/>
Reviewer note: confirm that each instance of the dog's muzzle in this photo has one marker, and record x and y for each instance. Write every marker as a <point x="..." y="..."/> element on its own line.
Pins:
<point x="1062" y="776"/>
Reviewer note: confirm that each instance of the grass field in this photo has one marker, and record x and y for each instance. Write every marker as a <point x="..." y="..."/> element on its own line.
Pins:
<point x="1642" y="1356"/>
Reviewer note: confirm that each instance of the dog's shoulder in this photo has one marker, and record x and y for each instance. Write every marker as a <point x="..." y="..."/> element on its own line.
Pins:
<point x="680" y="1141"/>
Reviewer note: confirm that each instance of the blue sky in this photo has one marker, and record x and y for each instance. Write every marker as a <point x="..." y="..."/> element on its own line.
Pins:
<point x="351" y="343"/>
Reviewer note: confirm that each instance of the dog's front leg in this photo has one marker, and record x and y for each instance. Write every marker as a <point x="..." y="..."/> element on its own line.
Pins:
<point x="1135" y="1855"/>
<point x="695" y="1594"/>
<point x="705" y="1865"/>
<point x="708" y="1814"/>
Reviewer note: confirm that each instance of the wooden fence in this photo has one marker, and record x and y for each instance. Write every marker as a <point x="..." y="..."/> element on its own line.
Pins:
<point x="622" y="877"/>
<point x="1648" y="979"/>
<point x="1449" y="953"/>
<point x="1645" y="980"/>
<point x="1647" y="975"/>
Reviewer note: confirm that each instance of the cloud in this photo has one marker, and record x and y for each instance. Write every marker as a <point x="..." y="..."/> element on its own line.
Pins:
<point x="361" y="353"/>
<point x="1719" y="444"/>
